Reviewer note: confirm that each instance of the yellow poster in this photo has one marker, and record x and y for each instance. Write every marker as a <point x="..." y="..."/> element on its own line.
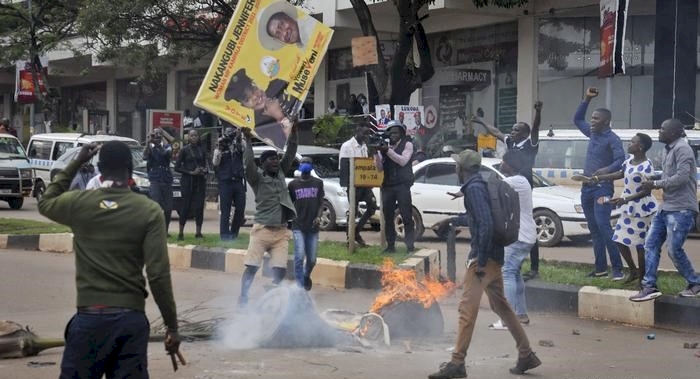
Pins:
<point x="264" y="67"/>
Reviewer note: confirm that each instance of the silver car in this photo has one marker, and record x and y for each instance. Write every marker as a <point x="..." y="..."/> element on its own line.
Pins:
<point x="335" y="205"/>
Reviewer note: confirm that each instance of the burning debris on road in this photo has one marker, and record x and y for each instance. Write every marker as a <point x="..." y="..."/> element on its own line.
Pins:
<point x="409" y="307"/>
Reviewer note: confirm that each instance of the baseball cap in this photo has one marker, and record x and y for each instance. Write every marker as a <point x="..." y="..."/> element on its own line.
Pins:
<point x="467" y="158"/>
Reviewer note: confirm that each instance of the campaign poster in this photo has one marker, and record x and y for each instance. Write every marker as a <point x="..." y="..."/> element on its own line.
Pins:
<point x="412" y="116"/>
<point x="382" y="113"/>
<point x="613" y="22"/>
<point x="264" y="67"/>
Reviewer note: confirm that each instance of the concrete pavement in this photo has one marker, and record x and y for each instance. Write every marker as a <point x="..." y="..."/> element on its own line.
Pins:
<point x="38" y="290"/>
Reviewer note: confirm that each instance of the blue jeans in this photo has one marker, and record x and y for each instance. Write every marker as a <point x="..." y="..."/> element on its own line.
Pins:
<point x="513" y="283"/>
<point x="675" y="226"/>
<point x="305" y="246"/>
<point x="111" y="344"/>
<point x="231" y="194"/>
<point x="598" y="220"/>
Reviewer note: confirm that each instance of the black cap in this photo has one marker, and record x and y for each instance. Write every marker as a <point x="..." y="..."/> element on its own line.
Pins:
<point x="115" y="155"/>
<point x="240" y="81"/>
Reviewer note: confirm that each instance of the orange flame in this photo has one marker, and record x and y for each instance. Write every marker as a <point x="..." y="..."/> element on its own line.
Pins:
<point x="401" y="285"/>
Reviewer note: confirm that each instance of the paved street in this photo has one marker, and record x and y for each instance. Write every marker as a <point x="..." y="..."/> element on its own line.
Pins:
<point x="38" y="290"/>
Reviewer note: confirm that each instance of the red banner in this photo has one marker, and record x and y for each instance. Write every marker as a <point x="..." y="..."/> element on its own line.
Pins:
<point x="24" y="89"/>
<point x="613" y="21"/>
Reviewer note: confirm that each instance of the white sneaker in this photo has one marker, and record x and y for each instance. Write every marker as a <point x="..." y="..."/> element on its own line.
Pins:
<point x="498" y="325"/>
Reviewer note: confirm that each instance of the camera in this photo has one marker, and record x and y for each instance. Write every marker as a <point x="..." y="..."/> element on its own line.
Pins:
<point x="230" y="136"/>
<point x="377" y="140"/>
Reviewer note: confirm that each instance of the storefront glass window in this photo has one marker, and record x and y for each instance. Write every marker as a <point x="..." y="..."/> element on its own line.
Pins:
<point x="568" y="58"/>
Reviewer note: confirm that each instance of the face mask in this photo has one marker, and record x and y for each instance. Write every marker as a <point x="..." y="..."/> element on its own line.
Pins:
<point x="305" y="167"/>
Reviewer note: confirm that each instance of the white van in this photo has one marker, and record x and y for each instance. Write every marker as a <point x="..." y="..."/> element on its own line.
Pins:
<point x="16" y="174"/>
<point x="562" y="153"/>
<point x="44" y="149"/>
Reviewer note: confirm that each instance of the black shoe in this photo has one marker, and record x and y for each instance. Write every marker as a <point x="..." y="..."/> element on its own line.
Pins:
<point x="308" y="283"/>
<point x="449" y="370"/>
<point x="389" y="249"/>
<point x="359" y="241"/>
<point x="410" y="249"/>
<point x="180" y="237"/>
<point x="530" y="275"/>
<point x="198" y="235"/>
<point x="594" y="274"/>
<point x="524" y="364"/>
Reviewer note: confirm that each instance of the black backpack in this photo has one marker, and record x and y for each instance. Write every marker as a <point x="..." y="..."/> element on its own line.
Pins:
<point x="505" y="211"/>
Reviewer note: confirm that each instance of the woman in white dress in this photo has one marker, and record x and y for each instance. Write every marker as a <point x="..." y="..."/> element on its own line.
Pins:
<point x="637" y="205"/>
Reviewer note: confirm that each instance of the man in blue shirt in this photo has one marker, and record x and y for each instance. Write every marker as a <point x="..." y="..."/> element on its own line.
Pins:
<point x="604" y="155"/>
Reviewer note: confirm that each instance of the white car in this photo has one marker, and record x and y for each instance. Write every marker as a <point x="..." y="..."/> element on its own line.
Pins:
<point x="557" y="210"/>
<point x="335" y="205"/>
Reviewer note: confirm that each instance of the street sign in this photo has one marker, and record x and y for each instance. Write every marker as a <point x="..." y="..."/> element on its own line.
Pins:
<point x="366" y="173"/>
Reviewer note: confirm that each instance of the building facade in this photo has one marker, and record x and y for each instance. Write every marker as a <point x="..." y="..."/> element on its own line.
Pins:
<point x="491" y="60"/>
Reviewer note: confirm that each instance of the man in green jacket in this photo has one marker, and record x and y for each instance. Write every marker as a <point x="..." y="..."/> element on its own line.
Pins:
<point x="116" y="232"/>
<point x="273" y="211"/>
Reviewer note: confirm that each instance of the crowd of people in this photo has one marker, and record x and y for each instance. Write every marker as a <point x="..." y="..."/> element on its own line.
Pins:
<point x="293" y="210"/>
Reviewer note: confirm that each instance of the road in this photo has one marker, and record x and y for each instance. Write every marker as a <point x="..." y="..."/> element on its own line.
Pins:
<point x="38" y="290"/>
<point x="566" y="251"/>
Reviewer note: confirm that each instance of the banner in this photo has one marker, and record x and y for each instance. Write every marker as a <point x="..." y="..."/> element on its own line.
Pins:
<point x="264" y="67"/>
<point x="24" y="87"/>
<point x="613" y="22"/>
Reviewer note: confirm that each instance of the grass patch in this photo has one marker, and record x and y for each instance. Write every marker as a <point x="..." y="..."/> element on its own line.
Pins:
<point x="22" y="226"/>
<point x="337" y="251"/>
<point x="550" y="271"/>
<point x="575" y="274"/>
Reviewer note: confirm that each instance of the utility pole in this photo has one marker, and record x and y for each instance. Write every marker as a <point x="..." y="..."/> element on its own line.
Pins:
<point x="32" y="42"/>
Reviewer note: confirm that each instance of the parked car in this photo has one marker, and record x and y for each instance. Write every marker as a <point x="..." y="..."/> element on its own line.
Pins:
<point x="557" y="209"/>
<point x="335" y="204"/>
<point x="140" y="174"/>
<point x="16" y="174"/>
<point x="44" y="149"/>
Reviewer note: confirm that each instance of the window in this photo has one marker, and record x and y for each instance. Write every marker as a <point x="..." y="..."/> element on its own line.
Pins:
<point x="442" y="174"/>
<point x="561" y="154"/>
<point x="40" y="149"/>
<point x="60" y="149"/>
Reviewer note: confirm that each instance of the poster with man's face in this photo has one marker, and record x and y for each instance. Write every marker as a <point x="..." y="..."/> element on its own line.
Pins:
<point x="413" y="116"/>
<point x="264" y="67"/>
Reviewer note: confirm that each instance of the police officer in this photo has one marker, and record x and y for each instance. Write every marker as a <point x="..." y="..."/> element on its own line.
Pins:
<point x="395" y="159"/>
<point x="228" y="166"/>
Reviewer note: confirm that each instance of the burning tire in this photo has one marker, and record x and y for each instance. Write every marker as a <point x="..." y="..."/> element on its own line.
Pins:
<point x="407" y="319"/>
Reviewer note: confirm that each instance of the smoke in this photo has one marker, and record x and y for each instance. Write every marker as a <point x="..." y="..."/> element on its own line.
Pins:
<point x="284" y="317"/>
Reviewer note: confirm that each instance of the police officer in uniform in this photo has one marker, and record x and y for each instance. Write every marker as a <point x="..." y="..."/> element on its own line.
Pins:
<point x="228" y="166"/>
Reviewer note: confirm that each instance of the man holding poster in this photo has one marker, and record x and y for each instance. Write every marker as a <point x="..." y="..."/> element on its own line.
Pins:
<point x="264" y="67"/>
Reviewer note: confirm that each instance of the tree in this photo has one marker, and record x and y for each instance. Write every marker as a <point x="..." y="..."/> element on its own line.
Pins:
<point x="33" y="28"/>
<point x="395" y="84"/>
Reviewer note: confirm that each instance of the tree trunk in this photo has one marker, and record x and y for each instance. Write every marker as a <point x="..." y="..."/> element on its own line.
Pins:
<point x="395" y="86"/>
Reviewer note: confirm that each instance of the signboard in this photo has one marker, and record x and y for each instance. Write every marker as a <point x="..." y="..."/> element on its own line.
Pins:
<point x="159" y="118"/>
<point x="366" y="173"/>
<point x="364" y="51"/>
<point x="264" y="67"/>
<point x="24" y="87"/>
<point x="613" y="21"/>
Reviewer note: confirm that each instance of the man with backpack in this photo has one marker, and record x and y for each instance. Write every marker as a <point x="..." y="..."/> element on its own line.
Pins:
<point x="483" y="272"/>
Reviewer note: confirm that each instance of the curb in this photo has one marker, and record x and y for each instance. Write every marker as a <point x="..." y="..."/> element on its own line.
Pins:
<point x="585" y="301"/>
